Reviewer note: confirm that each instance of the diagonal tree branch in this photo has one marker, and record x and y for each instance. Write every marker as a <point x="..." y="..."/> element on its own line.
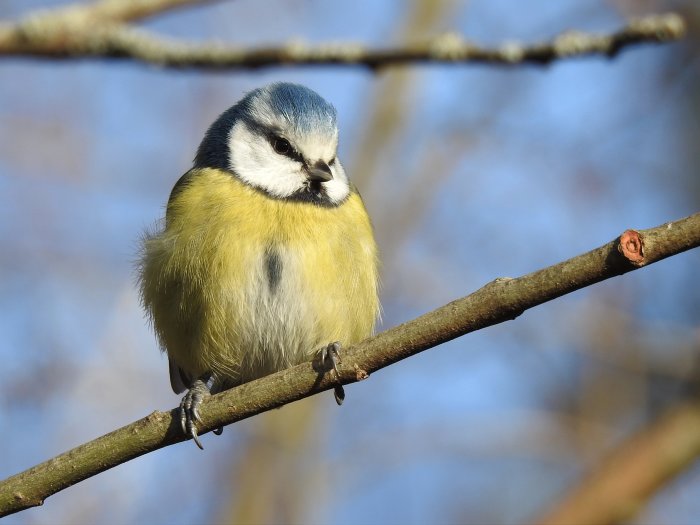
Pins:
<point x="98" y="31"/>
<point x="499" y="301"/>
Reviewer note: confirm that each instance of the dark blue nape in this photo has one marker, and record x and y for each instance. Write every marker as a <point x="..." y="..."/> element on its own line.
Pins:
<point x="213" y="151"/>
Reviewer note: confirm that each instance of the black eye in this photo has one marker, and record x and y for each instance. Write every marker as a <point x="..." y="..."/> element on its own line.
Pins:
<point x="332" y="161"/>
<point x="281" y="146"/>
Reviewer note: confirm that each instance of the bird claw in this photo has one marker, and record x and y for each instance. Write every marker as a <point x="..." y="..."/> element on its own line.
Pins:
<point x="330" y="358"/>
<point x="189" y="410"/>
<point x="339" y="394"/>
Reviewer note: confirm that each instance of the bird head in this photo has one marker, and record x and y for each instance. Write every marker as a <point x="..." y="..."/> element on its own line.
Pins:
<point x="281" y="139"/>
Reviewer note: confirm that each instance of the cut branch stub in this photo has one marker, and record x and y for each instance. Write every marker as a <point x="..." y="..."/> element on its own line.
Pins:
<point x="632" y="247"/>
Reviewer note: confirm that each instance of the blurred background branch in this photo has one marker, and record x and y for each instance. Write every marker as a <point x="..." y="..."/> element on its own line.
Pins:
<point x="618" y="487"/>
<point x="87" y="15"/>
<point x="97" y="31"/>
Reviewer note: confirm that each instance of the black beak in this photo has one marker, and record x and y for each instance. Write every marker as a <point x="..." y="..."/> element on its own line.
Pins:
<point x="319" y="172"/>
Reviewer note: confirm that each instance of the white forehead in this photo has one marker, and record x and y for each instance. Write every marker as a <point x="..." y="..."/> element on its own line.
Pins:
<point x="315" y="147"/>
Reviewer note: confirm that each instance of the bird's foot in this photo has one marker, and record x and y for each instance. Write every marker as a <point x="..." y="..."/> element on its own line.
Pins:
<point x="330" y="358"/>
<point x="189" y="410"/>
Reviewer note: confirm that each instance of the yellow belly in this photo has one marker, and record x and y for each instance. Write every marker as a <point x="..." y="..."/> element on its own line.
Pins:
<point x="241" y="285"/>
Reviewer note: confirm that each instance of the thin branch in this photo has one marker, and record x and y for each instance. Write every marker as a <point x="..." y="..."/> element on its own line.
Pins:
<point x="615" y="491"/>
<point x="498" y="301"/>
<point x="95" y="32"/>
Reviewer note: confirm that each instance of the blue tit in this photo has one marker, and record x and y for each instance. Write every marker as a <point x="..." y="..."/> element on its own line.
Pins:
<point x="266" y="256"/>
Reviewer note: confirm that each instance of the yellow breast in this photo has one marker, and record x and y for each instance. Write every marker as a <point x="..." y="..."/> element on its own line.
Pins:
<point x="241" y="284"/>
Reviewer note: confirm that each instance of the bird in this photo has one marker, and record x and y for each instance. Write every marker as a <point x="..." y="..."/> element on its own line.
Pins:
<point x="266" y="256"/>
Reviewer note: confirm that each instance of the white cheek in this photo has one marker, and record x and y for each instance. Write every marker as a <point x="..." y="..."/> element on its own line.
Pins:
<point x="254" y="161"/>
<point x="316" y="147"/>
<point x="337" y="188"/>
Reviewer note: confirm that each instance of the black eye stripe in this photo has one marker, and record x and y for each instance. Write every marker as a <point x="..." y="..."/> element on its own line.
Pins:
<point x="283" y="147"/>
